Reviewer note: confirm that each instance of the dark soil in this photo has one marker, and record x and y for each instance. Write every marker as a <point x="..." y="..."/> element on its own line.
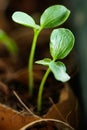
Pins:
<point x="43" y="126"/>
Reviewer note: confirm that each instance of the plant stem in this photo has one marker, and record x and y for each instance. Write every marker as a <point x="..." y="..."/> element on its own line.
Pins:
<point x="31" y="60"/>
<point x="39" y="101"/>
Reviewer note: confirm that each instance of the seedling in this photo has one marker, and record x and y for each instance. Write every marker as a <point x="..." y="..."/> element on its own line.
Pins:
<point x="50" y="18"/>
<point x="61" y="43"/>
<point x="8" y="42"/>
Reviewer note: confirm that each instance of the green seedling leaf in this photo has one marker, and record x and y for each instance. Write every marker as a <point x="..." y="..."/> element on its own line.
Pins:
<point x="61" y="43"/>
<point x="54" y="16"/>
<point x="23" y="19"/>
<point x="8" y="42"/>
<point x="59" y="71"/>
<point x="45" y="61"/>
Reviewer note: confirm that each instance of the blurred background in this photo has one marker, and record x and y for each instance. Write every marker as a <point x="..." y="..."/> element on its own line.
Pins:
<point x="76" y="23"/>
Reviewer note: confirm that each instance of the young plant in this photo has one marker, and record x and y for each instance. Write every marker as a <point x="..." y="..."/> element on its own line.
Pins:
<point x="52" y="17"/>
<point x="61" y="43"/>
<point x="8" y="42"/>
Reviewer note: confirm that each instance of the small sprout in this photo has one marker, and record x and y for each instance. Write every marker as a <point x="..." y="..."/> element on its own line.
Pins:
<point x="8" y="42"/>
<point x="52" y="17"/>
<point x="61" y="43"/>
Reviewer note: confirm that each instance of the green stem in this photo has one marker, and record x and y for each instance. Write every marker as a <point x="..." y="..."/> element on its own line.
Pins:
<point x="31" y="60"/>
<point x="39" y="101"/>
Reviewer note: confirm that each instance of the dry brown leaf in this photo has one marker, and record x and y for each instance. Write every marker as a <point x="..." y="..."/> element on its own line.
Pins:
<point x="13" y="120"/>
<point x="66" y="109"/>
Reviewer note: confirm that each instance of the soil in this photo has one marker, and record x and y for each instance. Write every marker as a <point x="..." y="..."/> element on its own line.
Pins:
<point x="43" y="126"/>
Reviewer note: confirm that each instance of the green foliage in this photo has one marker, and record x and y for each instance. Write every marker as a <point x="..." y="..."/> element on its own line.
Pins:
<point x="54" y="16"/>
<point x="61" y="43"/>
<point x="8" y="42"/>
<point x="24" y="19"/>
<point x="45" y="61"/>
<point x="59" y="71"/>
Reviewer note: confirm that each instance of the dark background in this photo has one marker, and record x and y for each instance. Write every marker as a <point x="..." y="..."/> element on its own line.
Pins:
<point x="77" y="23"/>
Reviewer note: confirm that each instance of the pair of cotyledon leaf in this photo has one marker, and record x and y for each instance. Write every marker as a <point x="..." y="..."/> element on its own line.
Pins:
<point x="61" y="40"/>
<point x="61" y="43"/>
<point x="51" y="17"/>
